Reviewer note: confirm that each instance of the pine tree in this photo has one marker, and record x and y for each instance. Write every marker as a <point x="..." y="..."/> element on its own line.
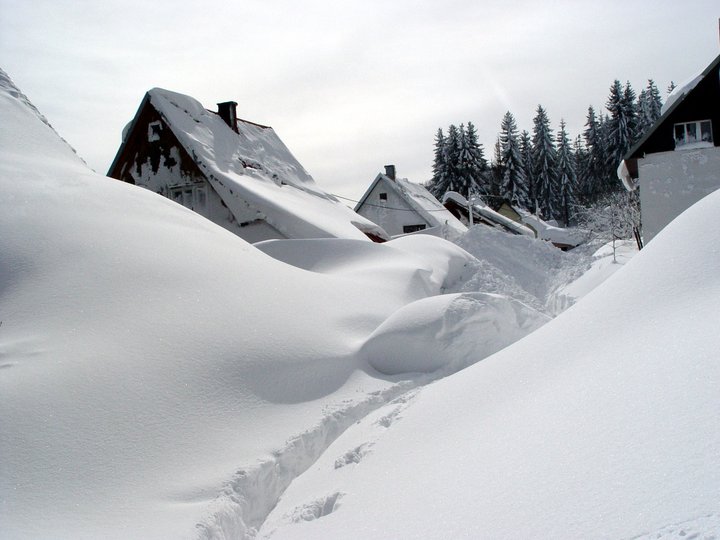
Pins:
<point x="527" y="166"/>
<point x="649" y="107"/>
<point x="620" y="129"/>
<point x="514" y="182"/>
<point x="567" y="177"/>
<point x="438" y="182"/>
<point x="672" y="86"/>
<point x="496" y="174"/>
<point x="582" y="171"/>
<point x="544" y="165"/>
<point x="477" y="167"/>
<point x="592" y="187"/>
<point x="451" y="157"/>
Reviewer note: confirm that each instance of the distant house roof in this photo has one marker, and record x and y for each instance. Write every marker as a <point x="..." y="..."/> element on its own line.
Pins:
<point x="698" y="99"/>
<point x="483" y="213"/>
<point x="419" y="199"/>
<point x="253" y="167"/>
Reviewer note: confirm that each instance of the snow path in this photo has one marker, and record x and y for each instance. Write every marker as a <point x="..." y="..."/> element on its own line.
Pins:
<point x="252" y="494"/>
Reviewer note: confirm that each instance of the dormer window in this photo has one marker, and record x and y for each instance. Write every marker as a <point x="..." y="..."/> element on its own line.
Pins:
<point x="383" y="196"/>
<point x="696" y="134"/>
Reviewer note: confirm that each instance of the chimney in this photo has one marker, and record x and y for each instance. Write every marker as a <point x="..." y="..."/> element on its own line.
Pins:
<point x="390" y="171"/>
<point x="228" y="112"/>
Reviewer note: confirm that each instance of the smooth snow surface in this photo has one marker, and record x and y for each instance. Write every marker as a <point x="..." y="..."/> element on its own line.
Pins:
<point x="601" y="424"/>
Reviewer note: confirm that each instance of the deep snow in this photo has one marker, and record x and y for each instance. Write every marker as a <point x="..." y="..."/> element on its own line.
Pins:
<point x="601" y="424"/>
<point x="161" y="378"/>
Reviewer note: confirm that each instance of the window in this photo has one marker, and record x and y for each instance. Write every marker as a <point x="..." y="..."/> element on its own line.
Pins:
<point x="697" y="134"/>
<point x="383" y="196"/>
<point x="192" y="197"/>
<point x="412" y="228"/>
<point x="154" y="129"/>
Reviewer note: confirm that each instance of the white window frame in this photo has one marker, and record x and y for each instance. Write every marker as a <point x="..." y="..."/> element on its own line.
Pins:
<point x="192" y="197"/>
<point x="685" y="142"/>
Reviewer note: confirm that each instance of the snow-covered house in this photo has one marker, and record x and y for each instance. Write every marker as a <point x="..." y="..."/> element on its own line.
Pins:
<point x="236" y="173"/>
<point x="677" y="162"/>
<point x="402" y="207"/>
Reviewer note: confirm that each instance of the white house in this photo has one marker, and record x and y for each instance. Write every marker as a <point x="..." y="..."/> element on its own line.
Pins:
<point x="677" y="162"/>
<point x="402" y="207"/>
<point x="236" y="173"/>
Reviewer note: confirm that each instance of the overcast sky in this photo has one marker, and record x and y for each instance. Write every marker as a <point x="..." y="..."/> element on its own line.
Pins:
<point x="352" y="85"/>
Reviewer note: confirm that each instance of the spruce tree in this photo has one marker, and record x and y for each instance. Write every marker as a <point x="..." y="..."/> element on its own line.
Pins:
<point x="514" y="182"/>
<point x="582" y="171"/>
<point x="527" y="166"/>
<point x="544" y="165"/>
<point x="451" y="155"/>
<point x="621" y="129"/>
<point x="649" y="107"/>
<point x="567" y="177"/>
<point x="477" y="167"/>
<point x="438" y="182"/>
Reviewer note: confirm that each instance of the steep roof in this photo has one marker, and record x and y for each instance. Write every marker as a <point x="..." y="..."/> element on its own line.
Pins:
<point x="704" y="88"/>
<point x="419" y="199"/>
<point x="254" y="167"/>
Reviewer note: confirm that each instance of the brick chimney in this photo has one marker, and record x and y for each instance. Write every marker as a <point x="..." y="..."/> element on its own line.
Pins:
<point x="228" y="112"/>
<point x="390" y="171"/>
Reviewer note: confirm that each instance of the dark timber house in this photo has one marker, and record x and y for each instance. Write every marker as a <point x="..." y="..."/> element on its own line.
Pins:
<point x="677" y="162"/>
<point x="236" y="173"/>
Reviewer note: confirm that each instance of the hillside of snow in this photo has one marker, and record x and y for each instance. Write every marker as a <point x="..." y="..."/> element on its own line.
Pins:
<point x="601" y="424"/>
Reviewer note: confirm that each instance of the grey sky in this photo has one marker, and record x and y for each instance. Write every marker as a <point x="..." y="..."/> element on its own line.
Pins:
<point x="348" y="85"/>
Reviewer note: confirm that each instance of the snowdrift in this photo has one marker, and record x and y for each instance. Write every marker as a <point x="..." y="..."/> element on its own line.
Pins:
<point x="160" y="377"/>
<point x="601" y="424"/>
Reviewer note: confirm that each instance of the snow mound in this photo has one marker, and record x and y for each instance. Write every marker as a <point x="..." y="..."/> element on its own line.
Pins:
<point x="424" y="265"/>
<point x="448" y="332"/>
<point x="601" y="424"/>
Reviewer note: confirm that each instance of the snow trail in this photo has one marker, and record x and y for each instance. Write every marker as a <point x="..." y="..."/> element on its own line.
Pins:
<point x="251" y="495"/>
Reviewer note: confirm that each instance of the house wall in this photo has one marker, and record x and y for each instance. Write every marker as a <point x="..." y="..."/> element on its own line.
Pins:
<point x="392" y="214"/>
<point x="671" y="182"/>
<point x="154" y="159"/>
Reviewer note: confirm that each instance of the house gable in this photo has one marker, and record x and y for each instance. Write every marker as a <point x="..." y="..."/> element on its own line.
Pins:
<point x="152" y="157"/>
<point x="386" y="204"/>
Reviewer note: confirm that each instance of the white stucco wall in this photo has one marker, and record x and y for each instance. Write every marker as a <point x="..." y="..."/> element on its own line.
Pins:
<point x="392" y="214"/>
<point x="671" y="182"/>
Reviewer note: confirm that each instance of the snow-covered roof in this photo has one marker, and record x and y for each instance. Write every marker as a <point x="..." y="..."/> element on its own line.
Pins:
<point x="680" y="92"/>
<point x="420" y="200"/>
<point x="556" y="235"/>
<point x="488" y="213"/>
<point x="254" y="167"/>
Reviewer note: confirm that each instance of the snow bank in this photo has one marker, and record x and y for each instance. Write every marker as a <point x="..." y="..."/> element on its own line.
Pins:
<point x="601" y="424"/>
<point x="448" y="332"/>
